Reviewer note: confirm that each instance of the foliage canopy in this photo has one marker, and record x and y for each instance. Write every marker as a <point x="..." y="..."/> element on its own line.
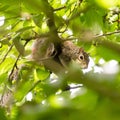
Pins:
<point x="30" y="91"/>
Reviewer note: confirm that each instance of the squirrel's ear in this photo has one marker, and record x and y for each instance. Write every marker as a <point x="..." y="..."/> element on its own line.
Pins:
<point x="88" y="54"/>
<point x="51" y="50"/>
<point x="81" y="50"/>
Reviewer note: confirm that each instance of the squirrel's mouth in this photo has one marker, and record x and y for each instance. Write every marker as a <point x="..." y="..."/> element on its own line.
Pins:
<point x="82" y="64"/>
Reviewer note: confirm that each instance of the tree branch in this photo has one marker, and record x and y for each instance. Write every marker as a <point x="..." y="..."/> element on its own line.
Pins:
<point x="106" y="34"/>
<point x="97" y="82"/>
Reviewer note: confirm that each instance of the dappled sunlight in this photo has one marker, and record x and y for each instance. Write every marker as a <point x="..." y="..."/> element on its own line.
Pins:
<point x="106" y="4"/>
<point x="63" y="1"/>
<point x="29" y="96"/>
<point x="2" y="20"/>
<point x="111" y="67"/>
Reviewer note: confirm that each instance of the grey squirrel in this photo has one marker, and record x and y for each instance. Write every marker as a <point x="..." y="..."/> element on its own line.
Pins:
<point x="44" y="49"/>
<point x="71" y="52"/>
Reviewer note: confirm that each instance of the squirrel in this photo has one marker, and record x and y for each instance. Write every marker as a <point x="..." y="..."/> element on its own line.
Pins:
<point x="71" y="52"/>
<point x="44" y="49"/>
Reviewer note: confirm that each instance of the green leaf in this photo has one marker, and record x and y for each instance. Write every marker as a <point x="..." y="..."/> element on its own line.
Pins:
<point x="2" y="114"/>
<point x="11" y="7"/>
<point x="18" y="44"/>
<point x="38" y="6"/>
<point x="6" y="65"/>
<point x="38" y="19"/>
<point x="42" y="74"/>
<point x="24" y="29"/>
<point x="23" y="89"/>
<point x="109" y="50"/>
<point x="5" y="42"/>
<point x="3" y="77"/>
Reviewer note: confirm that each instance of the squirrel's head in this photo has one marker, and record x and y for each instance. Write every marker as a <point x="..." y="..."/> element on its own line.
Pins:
<point x="82" y="58"/>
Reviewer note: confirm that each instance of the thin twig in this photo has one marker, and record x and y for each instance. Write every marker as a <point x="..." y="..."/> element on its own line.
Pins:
<point x="10" y="48"/>
<point x="106" y="34"/>
<point x="13" y="68"/>
<point x="5" y="19"/>
<point x="72" y="11"/>
<point x="15" y="64"/>
<point x="78" y="12"/>
<point x="57" y="9"/>
<point x="35" y="84"/>
<point x="70" y="88"/>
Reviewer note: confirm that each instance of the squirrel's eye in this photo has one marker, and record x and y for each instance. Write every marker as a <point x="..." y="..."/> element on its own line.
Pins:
<point x="81" y="57"/>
